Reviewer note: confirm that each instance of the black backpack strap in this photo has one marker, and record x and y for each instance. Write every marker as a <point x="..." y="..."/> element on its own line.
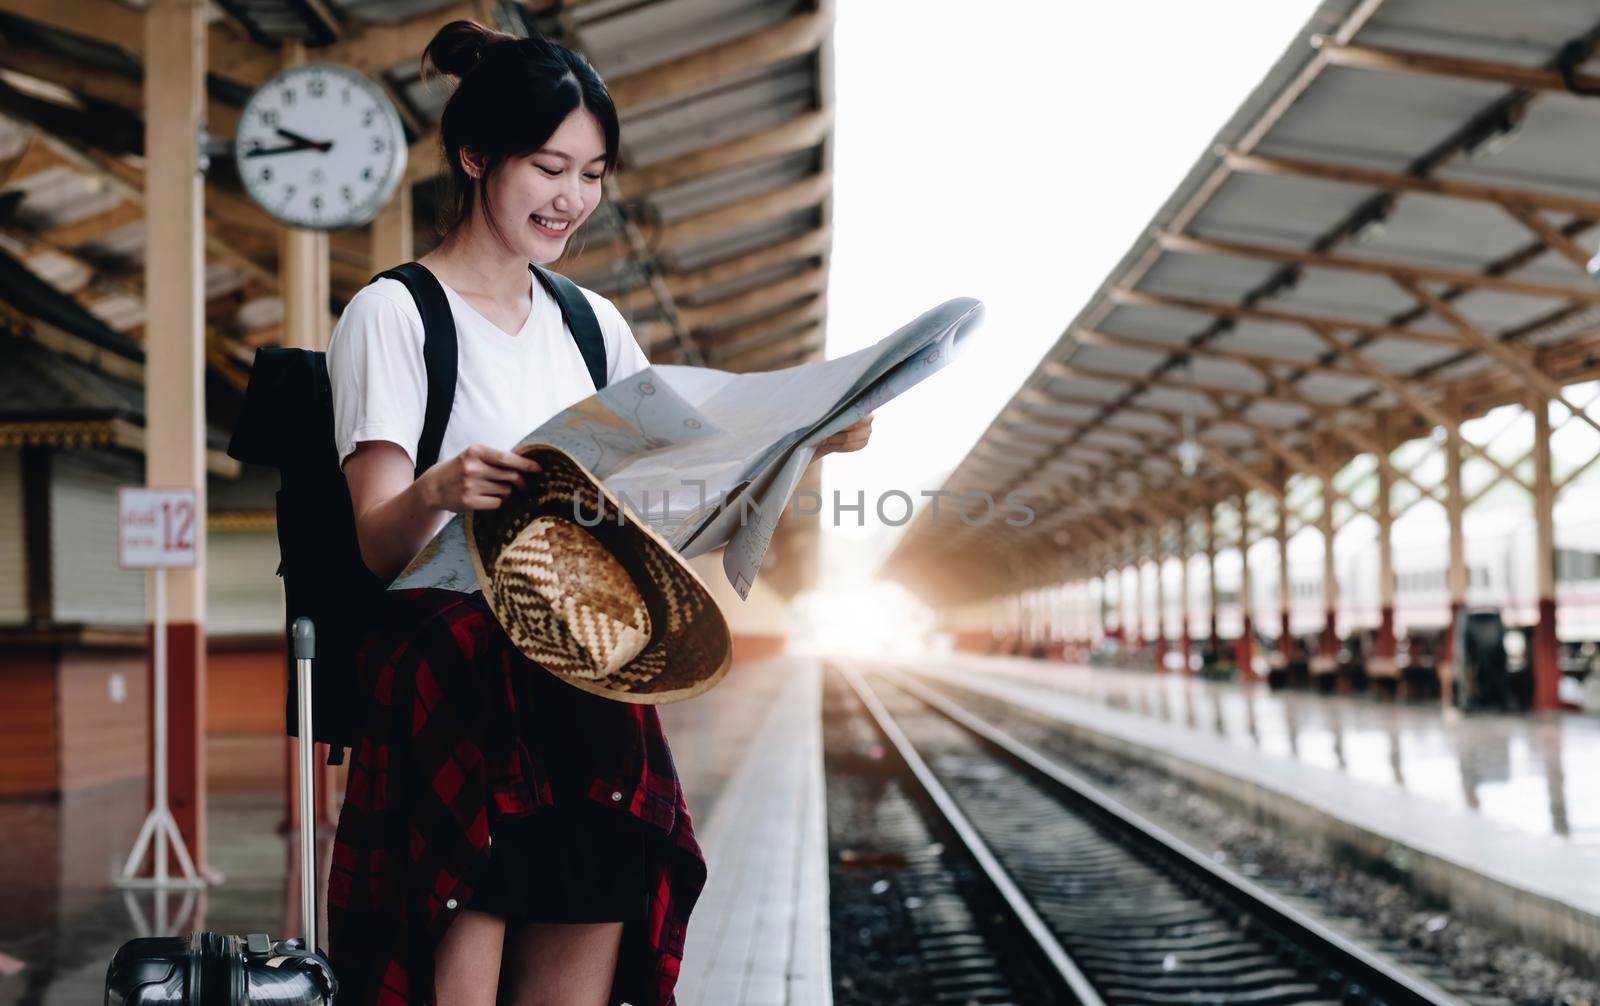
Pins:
<point x="579" y="313"/>
<point x="439" y="354"/>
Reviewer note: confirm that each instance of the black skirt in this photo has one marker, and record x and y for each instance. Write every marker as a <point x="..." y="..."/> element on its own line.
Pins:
<point x="577" y="861"/>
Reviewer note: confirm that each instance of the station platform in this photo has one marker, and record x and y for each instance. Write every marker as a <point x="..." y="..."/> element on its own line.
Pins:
<point x="750" y="758"/>
<point x="1495" y="815"/>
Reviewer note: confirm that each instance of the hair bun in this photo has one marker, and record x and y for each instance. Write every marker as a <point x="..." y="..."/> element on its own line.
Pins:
<point x="458" y="47"/>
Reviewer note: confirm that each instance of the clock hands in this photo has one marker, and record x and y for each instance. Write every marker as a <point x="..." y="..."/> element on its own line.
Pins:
<point x="296" y="142"/>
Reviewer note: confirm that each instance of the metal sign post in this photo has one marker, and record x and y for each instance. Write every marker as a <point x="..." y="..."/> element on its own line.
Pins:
<point x="156" y="531"/>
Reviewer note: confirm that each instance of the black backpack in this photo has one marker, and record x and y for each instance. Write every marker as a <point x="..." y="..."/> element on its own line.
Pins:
<point x="286" y="422"/>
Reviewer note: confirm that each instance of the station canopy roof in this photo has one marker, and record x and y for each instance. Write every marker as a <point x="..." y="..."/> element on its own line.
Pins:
<point x="1394" y="229"/>
<point x="714" y="240"/>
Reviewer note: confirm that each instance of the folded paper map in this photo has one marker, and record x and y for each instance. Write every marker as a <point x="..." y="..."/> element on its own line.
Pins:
<point x="709" y="458"/>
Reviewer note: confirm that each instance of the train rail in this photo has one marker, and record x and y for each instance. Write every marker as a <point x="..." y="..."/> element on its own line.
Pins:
<point x="1115" y="909"/>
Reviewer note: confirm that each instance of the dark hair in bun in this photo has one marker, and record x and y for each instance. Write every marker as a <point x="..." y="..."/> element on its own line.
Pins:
<point x="512" y="96"/>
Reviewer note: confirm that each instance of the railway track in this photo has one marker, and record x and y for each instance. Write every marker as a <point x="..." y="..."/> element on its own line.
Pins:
<point x="1112" y="908"/>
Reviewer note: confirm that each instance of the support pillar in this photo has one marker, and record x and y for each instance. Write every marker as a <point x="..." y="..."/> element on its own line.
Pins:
<point x="304" y="284"/>
<point x="1456" y="573"/>
<point x="175" y="335"/>
<point x="392" y="231"/>
<point x="1546" y="650"/>
<point x="1138" y="593"/>
<point x="1211" y="579"/>
<point x="1157" y="556"/>
<point x="1184" y="601"/>
<point x="1130" y="613"/>
<point x="1285" y="588"/>
<point x="303" y="269"/>
<point x="1383" y="657"/>
<point x="1244" y="651"/>
<point x="1328" y="648"/>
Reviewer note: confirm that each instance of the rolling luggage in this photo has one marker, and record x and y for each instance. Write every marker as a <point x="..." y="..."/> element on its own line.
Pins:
<point x="213" y="969"/>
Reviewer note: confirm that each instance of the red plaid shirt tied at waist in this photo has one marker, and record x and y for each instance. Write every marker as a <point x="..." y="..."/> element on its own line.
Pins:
<point x="439" y="741"/>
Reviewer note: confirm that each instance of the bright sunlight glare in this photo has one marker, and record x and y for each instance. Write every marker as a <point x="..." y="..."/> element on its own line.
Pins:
<point x="871" y="619"/>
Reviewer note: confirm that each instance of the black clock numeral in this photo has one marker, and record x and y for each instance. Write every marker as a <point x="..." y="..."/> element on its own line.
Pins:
<point x="288" y="191"/>
<point x="316" y="87"/>
<point x="366" y="174"/>
<point x="266" y="174"/>
<point x="269" y="117"/>
<point x="379" y="145"/>
<point x="349" y="196"/>
<point x="367" y="116"/>
<point x="316" y="203"/>
<point x="288" y="97"/>
<point x="345" y="95"/>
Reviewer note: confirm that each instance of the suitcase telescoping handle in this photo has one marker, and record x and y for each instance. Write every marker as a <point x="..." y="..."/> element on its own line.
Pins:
<point x="305" y="646"/>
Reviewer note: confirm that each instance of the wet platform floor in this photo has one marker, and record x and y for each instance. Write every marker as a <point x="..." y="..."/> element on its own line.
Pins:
<point x="1531" y="772"/>
<point x="61" y="919"/>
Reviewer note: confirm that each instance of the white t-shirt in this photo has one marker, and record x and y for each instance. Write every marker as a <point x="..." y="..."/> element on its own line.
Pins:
<point x="506" y="385"/>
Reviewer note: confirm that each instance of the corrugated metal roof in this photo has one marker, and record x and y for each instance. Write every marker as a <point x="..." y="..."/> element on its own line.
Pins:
<point x="741" y="87"/>
<point x="1362" y="185"/>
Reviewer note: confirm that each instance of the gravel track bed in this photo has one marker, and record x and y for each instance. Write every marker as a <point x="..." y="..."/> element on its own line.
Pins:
<point x="1367" y="902"/>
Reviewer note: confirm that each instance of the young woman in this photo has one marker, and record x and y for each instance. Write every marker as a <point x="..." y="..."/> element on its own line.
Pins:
<point x="505" y="837"/>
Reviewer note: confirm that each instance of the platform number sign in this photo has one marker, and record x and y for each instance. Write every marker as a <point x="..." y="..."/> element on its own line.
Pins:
<point x="157" y="528"/>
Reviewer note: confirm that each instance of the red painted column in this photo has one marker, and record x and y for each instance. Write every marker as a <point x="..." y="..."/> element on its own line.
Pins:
<point x="186" y="747"/>
<point x="1244" y="649"/>
<point x="1546" y="650"/>
<point x="1546" y="658"/>
<point x="1447" y="654"/>
<point x="1384" y="646"/>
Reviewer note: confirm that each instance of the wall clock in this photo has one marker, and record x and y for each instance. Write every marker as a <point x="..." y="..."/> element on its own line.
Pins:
<point x="320" y="147"/>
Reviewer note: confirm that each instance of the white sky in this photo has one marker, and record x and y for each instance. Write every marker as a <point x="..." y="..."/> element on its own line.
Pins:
<point x="1009" y="151"/>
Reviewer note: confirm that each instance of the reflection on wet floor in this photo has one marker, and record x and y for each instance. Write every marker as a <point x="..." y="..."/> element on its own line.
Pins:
<point x="1511" y="768"/>
<point x="62" y="919"/>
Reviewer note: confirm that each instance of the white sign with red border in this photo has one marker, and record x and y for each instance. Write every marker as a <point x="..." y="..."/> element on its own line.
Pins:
<point x="156" y="528"/>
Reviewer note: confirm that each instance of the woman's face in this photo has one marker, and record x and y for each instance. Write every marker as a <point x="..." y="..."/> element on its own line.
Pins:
<point x="538" y="200"/>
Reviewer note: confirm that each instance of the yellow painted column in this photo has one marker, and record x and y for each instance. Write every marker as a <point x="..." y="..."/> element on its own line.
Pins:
<point x="303" y="269"/>
<point x="175" y="445"/>
<point x="392" y="232"/>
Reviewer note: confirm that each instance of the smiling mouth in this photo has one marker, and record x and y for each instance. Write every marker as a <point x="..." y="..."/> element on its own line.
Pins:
<point x="549" y="224"/>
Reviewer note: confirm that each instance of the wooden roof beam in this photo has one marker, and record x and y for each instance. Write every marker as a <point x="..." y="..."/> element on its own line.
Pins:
<point x="1552" y="236"/>
<point x="1124" y="295"/>
<point x="780" y="354"/>
<point x="763" y="332"/>
<point x="712" y="223"/>
<point x="371" y="48"/>
<point x="812" y="244"/>
<point x="1526" y="78"/>
<point x="743" y="306"/>
<point x="1096" y="337"/>
<point x="128" y="181"/>
<point x="106" y="21"/>
<point x="706" y="68"/>
<point x="1291" y="167"/>
<point x="800" y="133"/>
<point x="82" y="232"/>
<point x="1396" y="387"/>
<point x="1056" y="369"/>
<point x="1518" y="359"/>
<point x="1374" y="267"/>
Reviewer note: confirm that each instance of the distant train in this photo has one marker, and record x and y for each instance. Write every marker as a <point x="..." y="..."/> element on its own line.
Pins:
<point x="1499" y="553"/>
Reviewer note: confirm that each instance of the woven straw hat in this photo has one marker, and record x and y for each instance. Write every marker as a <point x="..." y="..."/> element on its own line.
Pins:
<point x="609" y="608"/>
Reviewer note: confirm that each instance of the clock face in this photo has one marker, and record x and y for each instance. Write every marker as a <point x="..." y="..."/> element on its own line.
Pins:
<point x="320" y="147"/>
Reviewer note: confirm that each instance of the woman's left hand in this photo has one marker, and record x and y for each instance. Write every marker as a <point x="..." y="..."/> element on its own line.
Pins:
<point x="851" y="438"/>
